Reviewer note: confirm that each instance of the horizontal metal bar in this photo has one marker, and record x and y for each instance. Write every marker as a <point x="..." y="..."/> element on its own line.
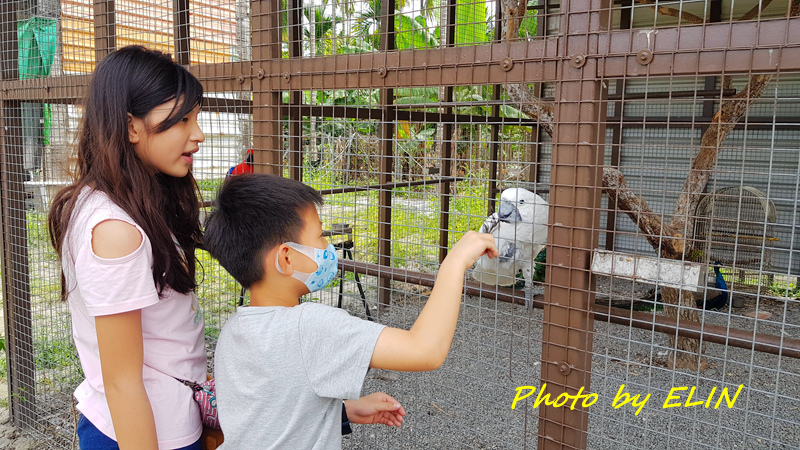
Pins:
<point x="354" y="112"/>
<point x="763" y="46"/>
<point x="734" y="337"/>
<point x="751" y="123"/>
<point x="372" y="187"/>
<point x="714" y="93"/>
<point x="453" y="66"/>
<point x="217" y="104"/>
<point x="69" y="89"/>
<point x="711" y="49"/>
<point x="388" y="186"/>
<point x="225" y="77"/>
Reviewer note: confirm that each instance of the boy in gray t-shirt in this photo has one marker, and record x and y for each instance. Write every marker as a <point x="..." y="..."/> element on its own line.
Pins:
<point x="282" y="368"/>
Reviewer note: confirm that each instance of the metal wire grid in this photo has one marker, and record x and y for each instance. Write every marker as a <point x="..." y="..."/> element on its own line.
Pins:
<point x="498" y="346"/>
<point x="656" y="151"/>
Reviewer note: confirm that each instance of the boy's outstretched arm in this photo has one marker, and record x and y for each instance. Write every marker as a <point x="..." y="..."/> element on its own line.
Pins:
<point x="375" y="408"/>
<point x="426" y="344"/>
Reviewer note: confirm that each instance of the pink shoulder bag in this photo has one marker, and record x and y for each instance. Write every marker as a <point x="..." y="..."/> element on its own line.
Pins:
<point x="205" y="394"/>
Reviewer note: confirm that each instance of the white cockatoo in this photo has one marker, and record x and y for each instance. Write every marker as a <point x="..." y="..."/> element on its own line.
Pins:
<point x="519" y="228"/>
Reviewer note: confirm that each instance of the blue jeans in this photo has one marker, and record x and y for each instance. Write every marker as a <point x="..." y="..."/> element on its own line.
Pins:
<point x="90" y="438"/>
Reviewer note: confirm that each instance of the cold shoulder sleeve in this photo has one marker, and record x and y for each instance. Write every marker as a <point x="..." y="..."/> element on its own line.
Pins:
<point x="110" y="285"/>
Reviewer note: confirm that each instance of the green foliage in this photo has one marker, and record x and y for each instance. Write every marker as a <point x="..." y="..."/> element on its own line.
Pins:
<point x="539" y="269"/>
<point x="789" y="290"/>
<point x="55" y="354"/>
<point x="413" y="33"/>
<point x="208" y="187"/>
<point x="409" y="96"/>
<point x="415" y="232"/>
<point x="39" y="236"/>
<point x="527" y="29"/>
<point x="471" y="23"/>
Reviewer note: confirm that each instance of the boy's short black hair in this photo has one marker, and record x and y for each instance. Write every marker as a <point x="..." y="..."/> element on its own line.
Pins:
<point x="253" y="214"/>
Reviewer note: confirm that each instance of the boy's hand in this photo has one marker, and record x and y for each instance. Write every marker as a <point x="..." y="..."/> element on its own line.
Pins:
<point x="472" y="246"/>
<point x="375" y="408"/>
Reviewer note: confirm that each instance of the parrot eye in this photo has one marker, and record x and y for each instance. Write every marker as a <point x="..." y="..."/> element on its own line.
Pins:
<point x="521" y="201"/>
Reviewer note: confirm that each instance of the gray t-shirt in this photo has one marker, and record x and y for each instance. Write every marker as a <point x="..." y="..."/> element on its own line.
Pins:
<point x="281" y="374"/>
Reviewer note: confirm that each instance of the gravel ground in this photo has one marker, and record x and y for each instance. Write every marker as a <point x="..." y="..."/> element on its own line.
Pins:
<point x="497" y="347"/>
<point x="466" y="403"/>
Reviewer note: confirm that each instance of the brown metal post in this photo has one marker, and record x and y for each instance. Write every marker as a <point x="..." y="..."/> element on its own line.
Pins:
<point x="536" y="131"/>
<point x="295" y="97"/>
<point x="447" y="144"/>
<point x="267" y="136"/>
<point x="387" y="157"/>
<point x="447" y="171"/>
<point x="576" y="185"/>
<point x="105" y="28"/>
<point x="710" y="82"/>
<point x="180" y="18"/>
<point x="494" y="149"/>
<point x="626" y="14"/>
<point x="14" y="237"/>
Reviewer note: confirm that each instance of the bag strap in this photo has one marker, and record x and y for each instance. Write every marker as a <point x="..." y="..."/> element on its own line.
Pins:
<point x="195" y="387"/>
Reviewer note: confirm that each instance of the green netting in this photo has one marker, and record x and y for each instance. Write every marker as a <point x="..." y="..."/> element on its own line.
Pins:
<point x="37" y="46"/>
<point x="36" y="39"/>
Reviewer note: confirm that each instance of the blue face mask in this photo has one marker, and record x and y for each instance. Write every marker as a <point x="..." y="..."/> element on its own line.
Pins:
<point x="327" y="265"/>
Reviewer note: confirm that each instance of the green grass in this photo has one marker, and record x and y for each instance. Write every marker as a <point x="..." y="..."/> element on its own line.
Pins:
<point x="778" y="285"/>
<point x="208" y="188"/>
<point x="415" y="234"/>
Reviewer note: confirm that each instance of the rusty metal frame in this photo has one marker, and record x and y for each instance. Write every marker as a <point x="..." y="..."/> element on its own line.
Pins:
<point x="267" y="139"/>
<point x="387" y="134"/>
<point x="446" y="156"/>
<point x="734" y="337"/>
<point x="708" y="50"/>
<point x="575" y="188"/>
<point x="295" y="97"/>
<point x="181" y="25"/>
<point x="16" y="281"/>
<point x="105" y="28"/>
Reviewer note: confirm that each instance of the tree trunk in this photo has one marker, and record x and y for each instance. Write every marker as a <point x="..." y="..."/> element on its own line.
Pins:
<point x="668" y="240"/>
<point x="686" y="352"/>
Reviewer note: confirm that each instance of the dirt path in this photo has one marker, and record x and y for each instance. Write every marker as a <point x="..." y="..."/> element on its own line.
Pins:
<point x="11" y="437"/>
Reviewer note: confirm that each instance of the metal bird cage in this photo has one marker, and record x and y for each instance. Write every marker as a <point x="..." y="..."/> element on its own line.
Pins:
<point x="734" y="226"/>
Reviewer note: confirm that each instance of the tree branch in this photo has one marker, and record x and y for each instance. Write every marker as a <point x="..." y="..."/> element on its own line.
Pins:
<point x="731" y="111"/>
<point x="532" y="106"/>
<point x="688" y="17"/>
<point x="661" y="237"/>
<point x="756" y="10"/>
<point x="513" y="11"/>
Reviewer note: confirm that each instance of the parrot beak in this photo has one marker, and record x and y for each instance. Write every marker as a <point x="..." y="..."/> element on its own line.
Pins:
<point x="508" y="212"/>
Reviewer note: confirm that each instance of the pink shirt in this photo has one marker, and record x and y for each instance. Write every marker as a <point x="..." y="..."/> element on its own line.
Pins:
<point x="172" y="326"/>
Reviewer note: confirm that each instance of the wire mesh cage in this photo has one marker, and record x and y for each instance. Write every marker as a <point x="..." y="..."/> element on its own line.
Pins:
<point x="734" y="226"/>
<point x="413" y="120"/>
